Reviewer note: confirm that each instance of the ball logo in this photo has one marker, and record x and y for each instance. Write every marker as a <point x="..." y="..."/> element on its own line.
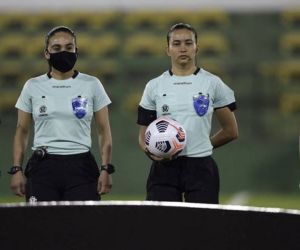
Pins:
<point x="162" y="126"/>
<point x="163" y="146"/>
<point x="80" y="106"/>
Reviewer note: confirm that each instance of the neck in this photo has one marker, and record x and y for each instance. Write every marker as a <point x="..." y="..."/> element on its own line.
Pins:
<point x="183" y="70"/>
<point x="60" y="75"/>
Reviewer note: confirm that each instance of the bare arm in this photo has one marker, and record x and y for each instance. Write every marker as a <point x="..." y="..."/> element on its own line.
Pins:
<point x="142" y="137"/>
<point x="229" y="127"/>
<point x="104" y="135"/>
<point x="105" y="145"/>
<point x="21" y="137"/>
<point x="17" y="183"/>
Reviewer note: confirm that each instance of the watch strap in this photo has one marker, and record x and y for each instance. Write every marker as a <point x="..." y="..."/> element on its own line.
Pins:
<point x="15" y="169"/>
<point x="108" y="167"/>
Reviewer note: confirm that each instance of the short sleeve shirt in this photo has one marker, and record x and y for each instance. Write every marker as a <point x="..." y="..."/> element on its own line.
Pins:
<point x="62" y="111"/>
<point x="176" y="96"/>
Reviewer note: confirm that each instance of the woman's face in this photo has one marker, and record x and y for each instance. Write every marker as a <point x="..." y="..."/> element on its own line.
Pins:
<point x="61" y="41"/>
<point x="182" y="47"/>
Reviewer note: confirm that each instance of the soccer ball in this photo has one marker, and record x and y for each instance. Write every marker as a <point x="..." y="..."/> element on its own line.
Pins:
<point x="165" y="137"/>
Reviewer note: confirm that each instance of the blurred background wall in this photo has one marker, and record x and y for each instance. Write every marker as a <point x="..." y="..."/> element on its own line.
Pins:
<point x="254" y="47"/>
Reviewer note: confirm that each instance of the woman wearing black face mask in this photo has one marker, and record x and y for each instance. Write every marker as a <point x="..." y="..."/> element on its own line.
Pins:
<point x="61" y="105"/>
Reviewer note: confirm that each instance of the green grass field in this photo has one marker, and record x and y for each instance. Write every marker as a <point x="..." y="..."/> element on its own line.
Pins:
<point x="273" y="200"/>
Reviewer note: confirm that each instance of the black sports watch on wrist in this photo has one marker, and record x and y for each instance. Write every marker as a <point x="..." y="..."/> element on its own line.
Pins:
<point x="14" y="169"/>
<point x="108" y="167"/>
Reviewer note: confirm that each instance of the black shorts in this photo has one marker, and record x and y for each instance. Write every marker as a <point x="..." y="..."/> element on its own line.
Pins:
<point x="62" y="178"/>
<point x="184" y="179"/>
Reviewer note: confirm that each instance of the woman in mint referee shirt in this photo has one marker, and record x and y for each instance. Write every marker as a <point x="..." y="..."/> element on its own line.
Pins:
<point x="61" y="105"/>
<point x="190" y="95"/>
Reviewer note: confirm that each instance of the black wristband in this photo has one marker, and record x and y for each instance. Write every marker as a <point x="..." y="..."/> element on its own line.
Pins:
<point x="14" y="169"/>
<point x="108" y="167"/>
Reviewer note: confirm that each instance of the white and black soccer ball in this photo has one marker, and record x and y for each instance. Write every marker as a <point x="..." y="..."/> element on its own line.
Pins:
<point x="165" y="137"/>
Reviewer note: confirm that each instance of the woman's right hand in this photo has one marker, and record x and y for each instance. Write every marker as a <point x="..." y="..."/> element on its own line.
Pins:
<point x="17" y="183"/>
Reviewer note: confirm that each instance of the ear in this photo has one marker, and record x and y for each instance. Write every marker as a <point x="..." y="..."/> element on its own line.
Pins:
<point x="197" y="49"/>
<point x="167" y="50"/>
<point x="46" y="54"/>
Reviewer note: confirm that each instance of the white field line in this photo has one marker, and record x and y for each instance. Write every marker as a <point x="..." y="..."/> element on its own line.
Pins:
<point x="240" y="198"/>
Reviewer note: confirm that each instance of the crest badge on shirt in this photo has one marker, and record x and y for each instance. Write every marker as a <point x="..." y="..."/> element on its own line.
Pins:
<point x="80" y="106"/>
<point x="201" y="103"/>
<point x="43" y="110"/>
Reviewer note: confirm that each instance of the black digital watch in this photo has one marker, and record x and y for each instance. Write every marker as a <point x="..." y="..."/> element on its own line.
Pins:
<point x="108" y="167"/>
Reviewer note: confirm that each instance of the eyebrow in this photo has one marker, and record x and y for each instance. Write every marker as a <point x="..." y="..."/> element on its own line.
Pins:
<point x="186" y="40"/>
<point x="59" y="45"/>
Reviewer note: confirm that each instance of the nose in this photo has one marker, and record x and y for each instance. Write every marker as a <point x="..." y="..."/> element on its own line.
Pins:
<point x="182" y="47"/>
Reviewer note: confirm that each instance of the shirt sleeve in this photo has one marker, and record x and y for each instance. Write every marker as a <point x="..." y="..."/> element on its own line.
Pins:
<point x="147" y="101"/>
<point x="101" y="98"/>
<point x="24" y="101"/>
<point x="223" y="95"/>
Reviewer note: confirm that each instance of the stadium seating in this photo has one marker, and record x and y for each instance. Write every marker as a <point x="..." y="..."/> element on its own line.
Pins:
<point x="214" y="66"/>
<point x="143" y="20"/>
<point x="12" y="46"/>
<point x="290" y="102"/>
<point x="214" y="19"/>
<point x="8" y="98"/>
<point x="13" y="21"/>
<point x="289" y="71"/>
<point x="213" y="45"/>
<point x="93" y="21"/>
<point x="170" y="18"/>
<point x="42" y="22"/>
<point x="106" y="70"/>
<point x="290" y="44"/>
<point x="144" y="44"/>
<point x="106" y="45"/>
<point x="290" y="18"/>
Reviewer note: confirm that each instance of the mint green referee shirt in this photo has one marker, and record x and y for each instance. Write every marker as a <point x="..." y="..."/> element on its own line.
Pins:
<point x="62" y="111"/>
<point x="174" y="96"/>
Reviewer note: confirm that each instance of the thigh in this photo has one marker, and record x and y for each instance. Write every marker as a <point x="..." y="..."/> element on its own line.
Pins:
<point x="163" y="193"/>
<point x="83" y="192"/>
<point x="42" y="181"/>
<point x="81" y="179"/>
<point x="163" y="182"/>
<point x="201" y="180"/>
<point x="39" y="191"/>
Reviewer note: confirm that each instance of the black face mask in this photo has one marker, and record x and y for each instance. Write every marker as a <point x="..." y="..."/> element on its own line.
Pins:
<point x="63" y="61"/>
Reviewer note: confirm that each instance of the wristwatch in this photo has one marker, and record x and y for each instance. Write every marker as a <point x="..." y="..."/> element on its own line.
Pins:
<point x="108" y="167"/>
<point x="14" y="169"/>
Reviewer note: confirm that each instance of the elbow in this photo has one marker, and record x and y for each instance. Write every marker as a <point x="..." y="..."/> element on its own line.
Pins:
<point x="234" y="135"/>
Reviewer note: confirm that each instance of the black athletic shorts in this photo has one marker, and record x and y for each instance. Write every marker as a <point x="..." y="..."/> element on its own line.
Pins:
<point x="184" y="179"/>
<point x="62" y="178"/>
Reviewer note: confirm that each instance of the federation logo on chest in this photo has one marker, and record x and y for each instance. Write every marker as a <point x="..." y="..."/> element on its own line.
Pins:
<point x="165" y="108"/>
<point x="80" y="106"/>
<point x="43" y="110"/>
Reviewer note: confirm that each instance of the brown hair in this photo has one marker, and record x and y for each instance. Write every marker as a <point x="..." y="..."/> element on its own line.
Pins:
<point x="180" y="26"/>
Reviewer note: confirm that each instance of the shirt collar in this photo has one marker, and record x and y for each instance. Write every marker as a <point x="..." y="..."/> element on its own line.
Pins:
<point x="75" y="74"/>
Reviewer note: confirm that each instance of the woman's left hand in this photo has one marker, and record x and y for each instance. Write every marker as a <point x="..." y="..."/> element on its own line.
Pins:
<point x="104" y="182"/>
